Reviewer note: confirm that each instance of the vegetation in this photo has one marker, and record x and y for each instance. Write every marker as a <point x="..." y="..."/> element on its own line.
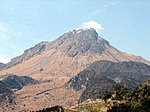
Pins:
<point x="136" y="101"/>
<point x="121" y="92"/>
<point x="102" y="75"/>
<point x="106" y="95"/>
<point x="52" y="109"/>
<point x="120" y="108"/>
<point x="142" y="106"/>
<point x="122" y="99"/>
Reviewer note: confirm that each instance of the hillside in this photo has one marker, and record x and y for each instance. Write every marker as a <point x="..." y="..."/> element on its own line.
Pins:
<point x="8" y="86"/>
<point x="134" y="101"/>
<point x="102" y="75"/>
<point x="13" y="82"/>
<point x="17" y="82"/>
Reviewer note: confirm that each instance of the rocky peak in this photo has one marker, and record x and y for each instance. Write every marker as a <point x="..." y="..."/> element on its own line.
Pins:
<point x="86" y="33"/>
<point x="37" y="49"/>
<point x="73" y="43"/>
<point x="81" y="34"/>
<point x="80" y="41"/>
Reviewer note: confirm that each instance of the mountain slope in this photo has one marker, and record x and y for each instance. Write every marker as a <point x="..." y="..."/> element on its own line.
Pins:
<point x="58" y="61"/>
<point x="67" y="55"/>
<point x="29" y="53"/>
<point x="102" y="75"/>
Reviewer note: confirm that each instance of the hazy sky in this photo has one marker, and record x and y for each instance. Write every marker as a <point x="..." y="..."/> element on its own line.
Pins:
<point x="24" y="23"/>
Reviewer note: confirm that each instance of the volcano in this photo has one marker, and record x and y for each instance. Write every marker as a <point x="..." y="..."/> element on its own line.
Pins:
<point x="59" y="61"/>
<point x="67" y="55"/>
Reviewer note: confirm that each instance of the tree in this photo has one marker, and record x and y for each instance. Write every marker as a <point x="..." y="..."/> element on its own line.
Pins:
<point x="145" y="104"/>
<point x="121" y="92"/>
<point x="121" y="108"/>
<point x="137" y="101"/>
<point x="106" y="95"/>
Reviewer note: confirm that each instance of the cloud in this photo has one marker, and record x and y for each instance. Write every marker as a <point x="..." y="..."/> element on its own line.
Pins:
<point x="3" y="59"/>
<point x="92" y="24"/>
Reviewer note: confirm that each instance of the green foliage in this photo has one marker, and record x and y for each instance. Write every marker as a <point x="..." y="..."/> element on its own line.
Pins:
<point x="141" y="93"/>
<point x="106" y="95"/>
<point x="137" y="101"/>
<point x="129" y="101"/>
<point x="121" y="92"/>
<point x="121" y="108"/>
<point x="145" y="104"/>
<point x="142" y="106"/>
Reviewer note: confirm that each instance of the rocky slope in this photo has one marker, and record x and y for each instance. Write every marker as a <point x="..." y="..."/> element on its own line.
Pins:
<point x="29" y="53"/>
<point x="4" y="91"/>
<point x="102" y="75"/>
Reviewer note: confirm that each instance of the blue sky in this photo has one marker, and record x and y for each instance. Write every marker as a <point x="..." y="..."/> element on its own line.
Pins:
<point x="24" y="23"/>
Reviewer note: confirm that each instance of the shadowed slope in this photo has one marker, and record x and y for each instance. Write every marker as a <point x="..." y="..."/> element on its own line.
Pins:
<point x="102" y="75"/>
